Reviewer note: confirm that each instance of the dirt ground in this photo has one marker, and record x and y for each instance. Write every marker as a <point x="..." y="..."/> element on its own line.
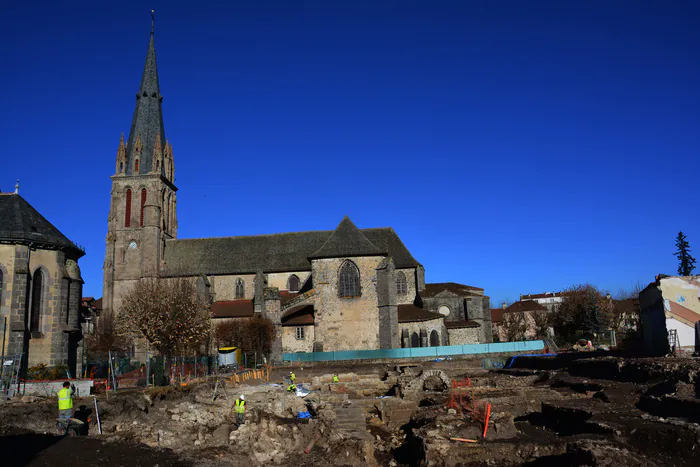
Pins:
<point x="576" y="410"/>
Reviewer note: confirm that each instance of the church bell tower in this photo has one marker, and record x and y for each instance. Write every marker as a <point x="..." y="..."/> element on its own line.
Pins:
<point x="142" y="212"/>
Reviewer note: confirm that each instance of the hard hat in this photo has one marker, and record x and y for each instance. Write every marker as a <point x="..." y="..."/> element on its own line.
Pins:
<point x="242" y="397"/>
<point x="291" y="372"/>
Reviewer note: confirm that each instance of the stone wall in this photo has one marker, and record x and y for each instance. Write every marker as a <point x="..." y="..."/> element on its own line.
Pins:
<point x="410" y="296"/>
<point x="224" y="287"/>
<point x="290" y="343"/>
<point x="463" y="336"/>
<point x="59" y="309"/>
<point x="346" y="323"/>
<point x="280" y="279"/>
<point x="424" y="328"/>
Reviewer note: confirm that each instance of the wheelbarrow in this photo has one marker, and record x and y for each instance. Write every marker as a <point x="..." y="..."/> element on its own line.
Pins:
<point x="69" y="426"/>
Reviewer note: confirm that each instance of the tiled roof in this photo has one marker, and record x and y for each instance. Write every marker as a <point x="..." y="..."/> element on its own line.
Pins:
<point x="411" y="313"/>
<point x="286" y="252"/>
<point x="525" y="305"/>
<point x="299" y="316"/>
<point x="459" y="289"/>
<point x="496" y="315"/>
<point x="21" y="223"/>
<point x="232" y="309"/>
<point x="461" y="324"/>
<point x="347" y="240"/>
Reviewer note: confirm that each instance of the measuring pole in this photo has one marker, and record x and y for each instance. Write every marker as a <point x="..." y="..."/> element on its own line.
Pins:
<point x="97" y="414"/>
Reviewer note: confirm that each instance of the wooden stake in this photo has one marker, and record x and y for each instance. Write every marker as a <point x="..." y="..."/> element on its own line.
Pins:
<point x="464" y="440"/>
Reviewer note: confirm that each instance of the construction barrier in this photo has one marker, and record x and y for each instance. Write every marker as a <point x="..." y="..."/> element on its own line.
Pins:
<point x="415" y="352"/>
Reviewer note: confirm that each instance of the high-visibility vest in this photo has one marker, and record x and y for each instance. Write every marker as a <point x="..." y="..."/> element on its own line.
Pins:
<point x="240" y="406"/>
<point x="64" y="399"/>
<point x="292" y="377"/>
<point x="335" y="378"/>
<point x="291" y="387"/>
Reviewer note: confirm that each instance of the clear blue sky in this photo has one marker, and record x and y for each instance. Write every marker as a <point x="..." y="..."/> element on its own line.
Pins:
<point x="519" y="146"/>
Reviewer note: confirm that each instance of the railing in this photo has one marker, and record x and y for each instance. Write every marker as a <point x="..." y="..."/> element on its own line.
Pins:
<point x="298" y="299"/>
<point x="416" y="352"/>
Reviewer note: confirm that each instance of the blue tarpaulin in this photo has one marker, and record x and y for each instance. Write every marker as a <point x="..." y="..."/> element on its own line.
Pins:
<point x="512" y="359"/>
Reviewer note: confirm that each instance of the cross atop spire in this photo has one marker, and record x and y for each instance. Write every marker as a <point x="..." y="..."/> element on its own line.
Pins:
<point x="153" y="21"/>
<point x="147" y="124"/>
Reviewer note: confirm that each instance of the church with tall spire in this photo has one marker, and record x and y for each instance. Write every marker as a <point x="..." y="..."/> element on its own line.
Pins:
<point x="341" y="289"/>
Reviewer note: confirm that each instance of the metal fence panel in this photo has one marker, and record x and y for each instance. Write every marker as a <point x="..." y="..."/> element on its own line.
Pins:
<point x="467" y="349"/>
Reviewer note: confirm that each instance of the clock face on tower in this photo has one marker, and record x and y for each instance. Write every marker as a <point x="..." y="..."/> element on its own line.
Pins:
<point x="133" y="245"/>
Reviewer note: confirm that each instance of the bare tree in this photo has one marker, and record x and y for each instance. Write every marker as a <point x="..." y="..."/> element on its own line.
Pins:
<point x="105" y="336"/>
<point x="167" y="313"/>
<point x="227" y="333"/>
<point x="514" y="326"/>
<point x="252" y="334"/>
<point x="541" y="323"/>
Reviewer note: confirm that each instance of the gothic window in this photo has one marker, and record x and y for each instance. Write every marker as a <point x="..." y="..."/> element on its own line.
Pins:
<point x="143" y="203"/>
<point x="434" y="339"/>
<point x="158" y="164"/>
<point x="293" y="283"/>
<point x="349" y="280"/>
<point x="401" y="286"/>
<point x="127" y="214"/>
<point x="121" y="167"/>
<point x="136" y="166"/>
<point x="240" y="289"/>
<point x="37" y="287"/>
<point x="0" y="287"/>
<point x="415" y="340"/>
<point x="300" y="333"/>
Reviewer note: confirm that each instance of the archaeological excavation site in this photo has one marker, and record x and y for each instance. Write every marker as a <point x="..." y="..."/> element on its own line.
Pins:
<point x="576" y="409"/>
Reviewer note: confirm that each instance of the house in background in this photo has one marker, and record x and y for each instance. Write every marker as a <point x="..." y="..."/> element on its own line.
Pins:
<point x="551" y="300"/>
<point x="506" y="319"/>
<point x="670" y="306"/>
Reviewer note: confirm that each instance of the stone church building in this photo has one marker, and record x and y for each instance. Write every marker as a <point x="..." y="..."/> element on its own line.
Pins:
<point x="342" y="289"/>
<point x="40" y="288"/>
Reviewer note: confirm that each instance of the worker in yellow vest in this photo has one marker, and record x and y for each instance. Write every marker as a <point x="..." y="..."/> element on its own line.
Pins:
<point x="292" y="388"/>
<point x="292" y="376"/>
<point x="240" y="410"/>
<point x="65" y="402"/>
<point x="335" y="378"/>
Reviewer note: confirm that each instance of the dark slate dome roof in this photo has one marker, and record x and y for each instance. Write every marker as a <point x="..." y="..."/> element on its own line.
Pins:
<point x="21" y="223"/>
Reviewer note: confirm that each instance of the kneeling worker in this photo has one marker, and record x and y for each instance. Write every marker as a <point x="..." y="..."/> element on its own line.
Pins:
<point x="240" y="410"/>
<point x="292" y="387"/>
<point x="335" y="378"/>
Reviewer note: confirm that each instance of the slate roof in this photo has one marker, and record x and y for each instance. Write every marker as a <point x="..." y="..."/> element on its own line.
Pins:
<point x="286" y="252"/>
<point x="347" y="240"/>
<point x="302" y="315"/>
<point x="21" y="223"/>
<point x="525" y="305"/>
<point x="461" y="324"/>
<point x="232" y="309"/>
<point x="433" y="289"/>
<point x="411" y="314"/>
<point x="148" y="115"/>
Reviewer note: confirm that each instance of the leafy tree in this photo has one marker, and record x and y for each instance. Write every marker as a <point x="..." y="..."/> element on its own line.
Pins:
<point x="166" y="312"/>
<point x="583" y="311"/>
<point x="686" y="263"/>
<point x="252" y="335"/>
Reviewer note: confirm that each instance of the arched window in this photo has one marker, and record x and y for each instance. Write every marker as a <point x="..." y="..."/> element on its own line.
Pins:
<point x="0" y="287"/>
<point x="415" y="340"/>
<point x="143" y="203"/>
<point x="127" y="214"/>
<point x="240" y="288"/>
<point x="136" y="166"/>
<point x="349" y="280"/>
<point x="401" y="286"/>
<point x="37" y="287"/>
<point x="293" y="283"/>
<point x="444" y="310"/>
<point x="121" y="167"/>
<point x="157" y="164"/>
<point x="434" y="339"/>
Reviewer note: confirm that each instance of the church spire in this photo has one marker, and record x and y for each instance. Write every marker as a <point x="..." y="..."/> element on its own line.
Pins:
<point x="147" y="124"/>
